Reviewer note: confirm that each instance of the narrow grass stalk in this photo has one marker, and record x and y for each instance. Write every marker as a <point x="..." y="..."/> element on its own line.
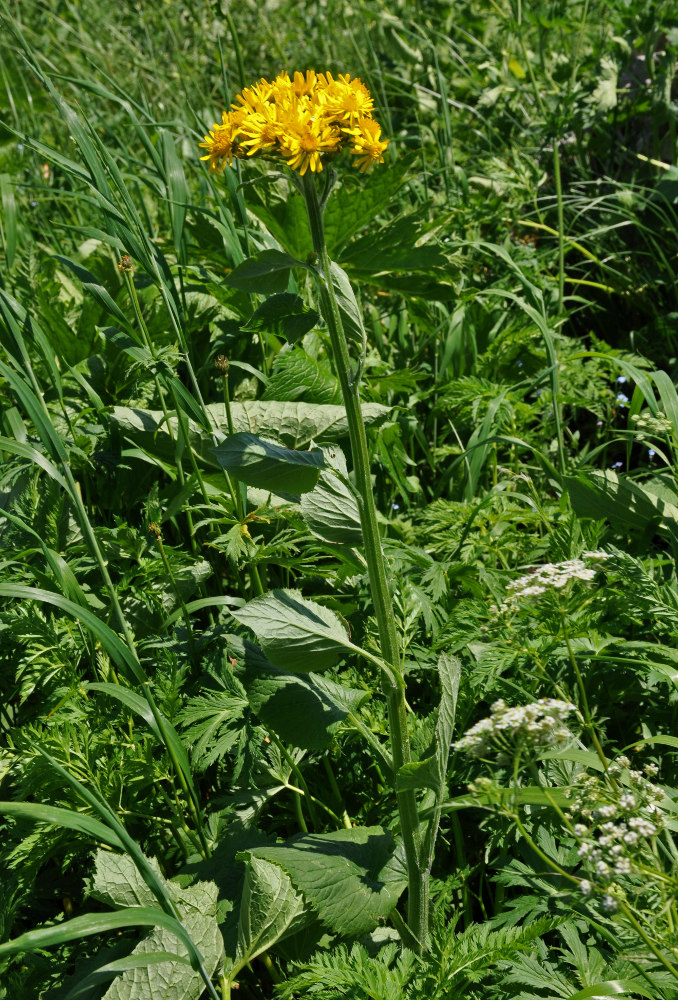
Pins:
<point x="393" y="684"/>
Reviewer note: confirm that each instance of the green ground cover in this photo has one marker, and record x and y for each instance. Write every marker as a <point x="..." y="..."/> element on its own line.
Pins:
<point x="289" y="710"/>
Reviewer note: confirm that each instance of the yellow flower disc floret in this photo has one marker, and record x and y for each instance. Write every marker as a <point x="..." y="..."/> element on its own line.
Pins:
<point x="302" y="120"/>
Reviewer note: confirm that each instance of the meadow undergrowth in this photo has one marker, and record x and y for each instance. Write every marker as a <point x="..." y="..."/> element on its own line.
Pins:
<point x="338" y="500"/>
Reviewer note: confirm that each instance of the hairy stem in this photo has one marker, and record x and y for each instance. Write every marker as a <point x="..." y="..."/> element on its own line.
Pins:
<point x="393" y="684"/>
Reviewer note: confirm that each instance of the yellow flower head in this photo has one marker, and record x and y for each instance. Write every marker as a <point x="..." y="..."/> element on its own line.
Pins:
<point x="220" y="143"/>
<point x="367" y="144"/>
<point x="304" y="145"/>
<point x="347" y="99"/>
<point x="302" y="121"/>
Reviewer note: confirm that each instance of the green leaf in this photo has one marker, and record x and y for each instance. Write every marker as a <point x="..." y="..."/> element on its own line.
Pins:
<point x="304" y="710"/>
<point x="95" y="288"/>
<point x="350" y="878"/>
<point x="265" y="273"/>
<point x="285" y="316"/>
<point x="605" y="496"/>
<point x="8" y="224"/>
<point x="286" y="219"/>
<point x="161" y="726"/>
<point x="357" y="201"/>
<point x="270" y="466"/>
<point x="83" y="988"/>
<point x="67" y="818"/>
<point x="117" y="882"/>
<point x="351" y="316"/>
<point x="449" y="671"/>
<point x="293" y="424"/>
<point x="396" y="247"/>
<point x="117" y="650"/>
<point x="296" y="375"/>
<point x="330" y="510"/>
<point x="86" y="926"/>
<point x="177" y="192"/>
<point x="270" y="910"/>
<point x="295" y="633"/>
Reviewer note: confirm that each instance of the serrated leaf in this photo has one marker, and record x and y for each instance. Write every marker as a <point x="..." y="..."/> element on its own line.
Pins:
<point x="295" y="633"/>
<point x="257" y="462"/>
<point x="351" y="316"/>
<point x="357" y="201"/>
<point x="296" y="375"/>
<point x="84" y="988"/>
<point x="210" y="719"/>
<point x="270" y="909"/>
<point x="117" y="882"/>
<point x="348" y="878"/>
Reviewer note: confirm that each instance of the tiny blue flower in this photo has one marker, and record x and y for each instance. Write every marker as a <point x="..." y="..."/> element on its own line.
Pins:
<point x="616" y="465"/>
<point x="651" y="453"/>
<point x="622" y="399"/>
<point x="621" y="379"/>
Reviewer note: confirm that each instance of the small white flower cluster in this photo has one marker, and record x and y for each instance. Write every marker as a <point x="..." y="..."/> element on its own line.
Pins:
<point x="551" y="576"/>
<point x="506" y="729"/>
<point x="657" y="425"/>
<point x="618" y="820"/>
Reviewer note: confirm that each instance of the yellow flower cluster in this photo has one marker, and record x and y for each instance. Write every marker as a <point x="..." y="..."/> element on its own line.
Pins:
<point x="301" y="120"/>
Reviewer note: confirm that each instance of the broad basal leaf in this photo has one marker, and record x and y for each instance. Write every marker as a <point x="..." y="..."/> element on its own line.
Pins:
<point x="264" y="273"/>
<point x="350" y="878"/>
<point x="295" y="633"/>
<point x="269" y="466"/>
<point x="118" y="883"/>
<point x="304" y="710"/>
<point x="293" y="424"/>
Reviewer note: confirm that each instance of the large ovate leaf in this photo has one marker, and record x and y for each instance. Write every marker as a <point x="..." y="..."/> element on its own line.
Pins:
<point x="293" y="424"/>
<point x="257" y="462"/>
<point x="604" y="495"/>
<point x="295" y="633"/>
<point x="284" y="315"/>
<point x="117" y="882"/>
<point x="303" y="710"/>
<point x="264" y="273"/>
<point x="352" y="879"/>
<point x="296" y="375"/>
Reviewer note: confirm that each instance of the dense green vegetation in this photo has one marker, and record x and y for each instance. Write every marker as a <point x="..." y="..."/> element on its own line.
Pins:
<point x="219" y="775"/>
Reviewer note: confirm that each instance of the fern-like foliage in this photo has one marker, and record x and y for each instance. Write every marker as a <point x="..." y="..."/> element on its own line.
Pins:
<point x="212" y="721"/>
<point x="455" y="963"/>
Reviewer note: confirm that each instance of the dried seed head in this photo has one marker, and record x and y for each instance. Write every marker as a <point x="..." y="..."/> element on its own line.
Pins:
<point x="221" y="364"/>
<point x="125" y="264"/>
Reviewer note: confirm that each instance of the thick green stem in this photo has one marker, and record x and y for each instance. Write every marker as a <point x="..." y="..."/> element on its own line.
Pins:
<point x="393" y="684"/>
